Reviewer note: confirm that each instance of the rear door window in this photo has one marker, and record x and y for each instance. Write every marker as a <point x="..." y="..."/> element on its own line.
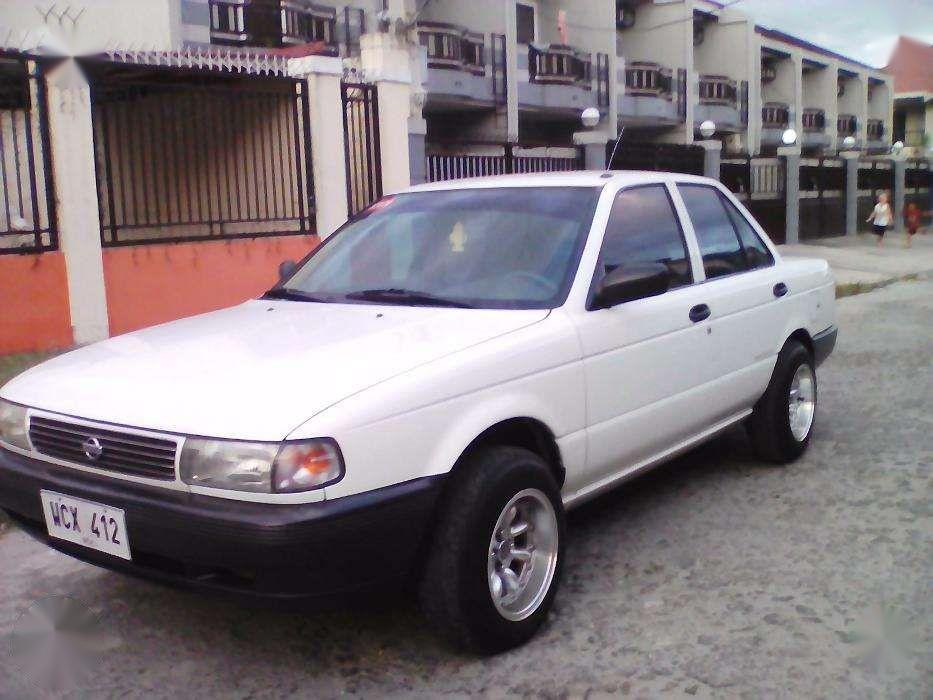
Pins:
<point x="756" y="252"/>
<point x="719" y="245"/>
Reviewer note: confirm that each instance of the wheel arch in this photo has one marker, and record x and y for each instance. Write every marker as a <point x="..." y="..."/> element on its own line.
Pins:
<point x="521" y="431"/>
<point x="802" y="335"/>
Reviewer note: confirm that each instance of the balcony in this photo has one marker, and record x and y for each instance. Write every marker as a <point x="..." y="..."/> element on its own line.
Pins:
<point x="847" y="125"/>
<point x="461" y="72"/>
<point x="561" y="79"/>
<point x="719" y="103"/>
<point x="814" y="128"/>
<point x="273" y="23"/>
<point x="652" y="96"/>
<point x="775" y="118"/>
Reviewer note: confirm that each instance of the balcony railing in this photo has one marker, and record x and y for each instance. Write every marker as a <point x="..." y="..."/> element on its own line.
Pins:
<point x="649" y="79"/>
<point x="718" y="90"/>
<point x="273" y="23"/>
<point x="559" y="64"/>
<point x="875" y="129"/>
<point x="452" y="47"/>
<point x="847" y="125"/>
<point x="775" y="115"/>
<point x="814" y="119"/>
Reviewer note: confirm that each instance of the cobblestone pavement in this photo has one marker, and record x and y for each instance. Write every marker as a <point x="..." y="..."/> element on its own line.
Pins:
<point x="716" y="576"/>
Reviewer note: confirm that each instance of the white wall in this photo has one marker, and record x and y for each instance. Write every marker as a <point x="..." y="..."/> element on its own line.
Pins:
<point x="90" y="26"/>
<point x="663" y="33"/>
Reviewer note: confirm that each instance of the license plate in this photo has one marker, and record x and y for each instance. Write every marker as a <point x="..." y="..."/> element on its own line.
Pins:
<point x="90" y="524"/>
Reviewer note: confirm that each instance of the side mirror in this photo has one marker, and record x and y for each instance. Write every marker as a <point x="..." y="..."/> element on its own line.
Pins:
<point x="286" y="268"/>
<point x="627" y="283"/>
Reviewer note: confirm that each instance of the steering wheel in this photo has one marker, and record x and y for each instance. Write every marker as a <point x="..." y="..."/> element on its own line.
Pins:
<point x="540" y="280"/>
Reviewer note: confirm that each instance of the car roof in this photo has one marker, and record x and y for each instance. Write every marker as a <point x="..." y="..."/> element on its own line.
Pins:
<point x="577" y="178"/>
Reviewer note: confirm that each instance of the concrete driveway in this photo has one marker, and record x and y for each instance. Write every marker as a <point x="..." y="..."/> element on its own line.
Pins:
<point x="716" y="576"/>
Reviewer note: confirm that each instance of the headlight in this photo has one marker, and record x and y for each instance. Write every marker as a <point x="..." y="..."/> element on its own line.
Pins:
<point x="13" y="429"/>
<point x="261" y="467"/>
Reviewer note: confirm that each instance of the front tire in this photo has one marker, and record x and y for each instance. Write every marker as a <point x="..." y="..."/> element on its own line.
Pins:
<point x="782" y="421"/>
<point x="495" y="560"/>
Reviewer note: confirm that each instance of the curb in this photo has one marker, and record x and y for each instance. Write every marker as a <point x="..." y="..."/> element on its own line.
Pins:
<point x="850" y="289"/>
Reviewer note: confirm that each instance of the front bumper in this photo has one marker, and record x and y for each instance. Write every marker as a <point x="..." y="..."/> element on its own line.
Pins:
<point x="823" y="344"/>
<point x="327" y="549"/>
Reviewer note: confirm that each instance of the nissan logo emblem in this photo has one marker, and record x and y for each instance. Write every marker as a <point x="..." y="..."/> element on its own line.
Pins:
<point x="92" y="448"/>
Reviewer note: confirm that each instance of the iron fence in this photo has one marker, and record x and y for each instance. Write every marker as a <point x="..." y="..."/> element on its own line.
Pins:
<point x="186" y="156"/>
<point x="27" y="217"/>
<point x="361" y="145"/>
<point x="455" y="161"/>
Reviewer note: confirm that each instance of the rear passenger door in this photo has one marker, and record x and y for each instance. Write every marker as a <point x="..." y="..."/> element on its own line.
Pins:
<point x="743" y="294"/>
<point x="640" y="356"/>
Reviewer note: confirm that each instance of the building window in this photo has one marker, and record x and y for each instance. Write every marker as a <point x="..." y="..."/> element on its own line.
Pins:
<point x="525" y="23"/>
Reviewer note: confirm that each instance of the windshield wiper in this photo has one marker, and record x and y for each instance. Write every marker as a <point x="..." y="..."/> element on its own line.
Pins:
<point x="402" y="296"/>
<point x="289" y="295"/>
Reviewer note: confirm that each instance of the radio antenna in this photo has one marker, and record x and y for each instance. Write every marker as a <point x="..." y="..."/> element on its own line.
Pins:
<point x="615" y="148"/>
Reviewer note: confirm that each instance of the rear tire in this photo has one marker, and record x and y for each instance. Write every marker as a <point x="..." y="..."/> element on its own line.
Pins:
<point x="495" y="560"/>
<point x="782" y="422"/>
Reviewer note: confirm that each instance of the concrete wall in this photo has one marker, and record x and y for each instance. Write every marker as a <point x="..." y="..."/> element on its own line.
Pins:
<point x="82" y="27"/>
<point x="151" y="284"/>
<point x="663" y="33"/>
<point x="819" y="92"/>
<point x="34" y="293"/>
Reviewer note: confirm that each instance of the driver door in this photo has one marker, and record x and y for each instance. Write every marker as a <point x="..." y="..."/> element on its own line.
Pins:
<point x="642" y="358"/>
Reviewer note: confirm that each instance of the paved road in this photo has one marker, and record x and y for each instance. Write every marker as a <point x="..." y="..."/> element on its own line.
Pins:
<point x="716" y="576"/>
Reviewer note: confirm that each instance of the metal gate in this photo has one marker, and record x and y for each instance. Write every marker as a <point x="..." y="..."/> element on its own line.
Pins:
<point x="361" y="145"/>
<point x="186" y="155"/>
<point x="760" y="184"/>
<point x="874" y="177"/>
<point x="664" y="157"/>
<point x="27" y="217"/>
<point x="822" y="197"/>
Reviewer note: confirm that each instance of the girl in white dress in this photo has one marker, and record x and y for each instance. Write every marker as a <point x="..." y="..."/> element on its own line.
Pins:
<point x="881" y="217"/>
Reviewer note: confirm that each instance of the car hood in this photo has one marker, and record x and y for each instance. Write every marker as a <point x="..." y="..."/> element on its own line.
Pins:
<point x="255" y="371"/>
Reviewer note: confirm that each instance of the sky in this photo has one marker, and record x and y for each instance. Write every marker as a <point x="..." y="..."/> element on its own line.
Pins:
<point x="861" y="29"/>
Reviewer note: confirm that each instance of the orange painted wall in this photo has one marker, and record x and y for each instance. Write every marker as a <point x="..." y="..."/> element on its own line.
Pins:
<point x="34" y="312"/>
<point x="150" y="284"/>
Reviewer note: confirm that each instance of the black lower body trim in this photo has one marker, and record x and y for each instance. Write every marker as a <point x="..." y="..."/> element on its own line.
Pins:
<point x="823" y="344"/>
<point x="286" y="552"/>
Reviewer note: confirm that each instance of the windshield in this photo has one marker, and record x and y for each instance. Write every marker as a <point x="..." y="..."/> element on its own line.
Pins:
<point x="505" y="248"/>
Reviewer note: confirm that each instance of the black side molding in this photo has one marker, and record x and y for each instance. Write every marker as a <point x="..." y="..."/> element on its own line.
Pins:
<point x="823" y="344"/>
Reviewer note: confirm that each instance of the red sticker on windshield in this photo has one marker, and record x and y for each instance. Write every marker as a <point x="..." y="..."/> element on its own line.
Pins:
<point x="383" y="203"/>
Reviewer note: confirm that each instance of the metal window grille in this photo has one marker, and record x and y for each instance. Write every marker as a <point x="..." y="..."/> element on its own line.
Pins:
<point x="27" y="216"/>
<point x="184" y="156"/>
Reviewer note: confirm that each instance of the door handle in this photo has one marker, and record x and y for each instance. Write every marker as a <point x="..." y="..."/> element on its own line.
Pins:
<point x="780" y="289"/>
<point x="700" y="312"/>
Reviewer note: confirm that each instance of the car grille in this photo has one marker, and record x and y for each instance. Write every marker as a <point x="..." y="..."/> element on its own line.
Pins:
<point x="126" y="453"/>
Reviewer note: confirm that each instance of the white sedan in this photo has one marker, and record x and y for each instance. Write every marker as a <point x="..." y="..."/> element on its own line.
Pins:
<point x="421" y="399"/>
